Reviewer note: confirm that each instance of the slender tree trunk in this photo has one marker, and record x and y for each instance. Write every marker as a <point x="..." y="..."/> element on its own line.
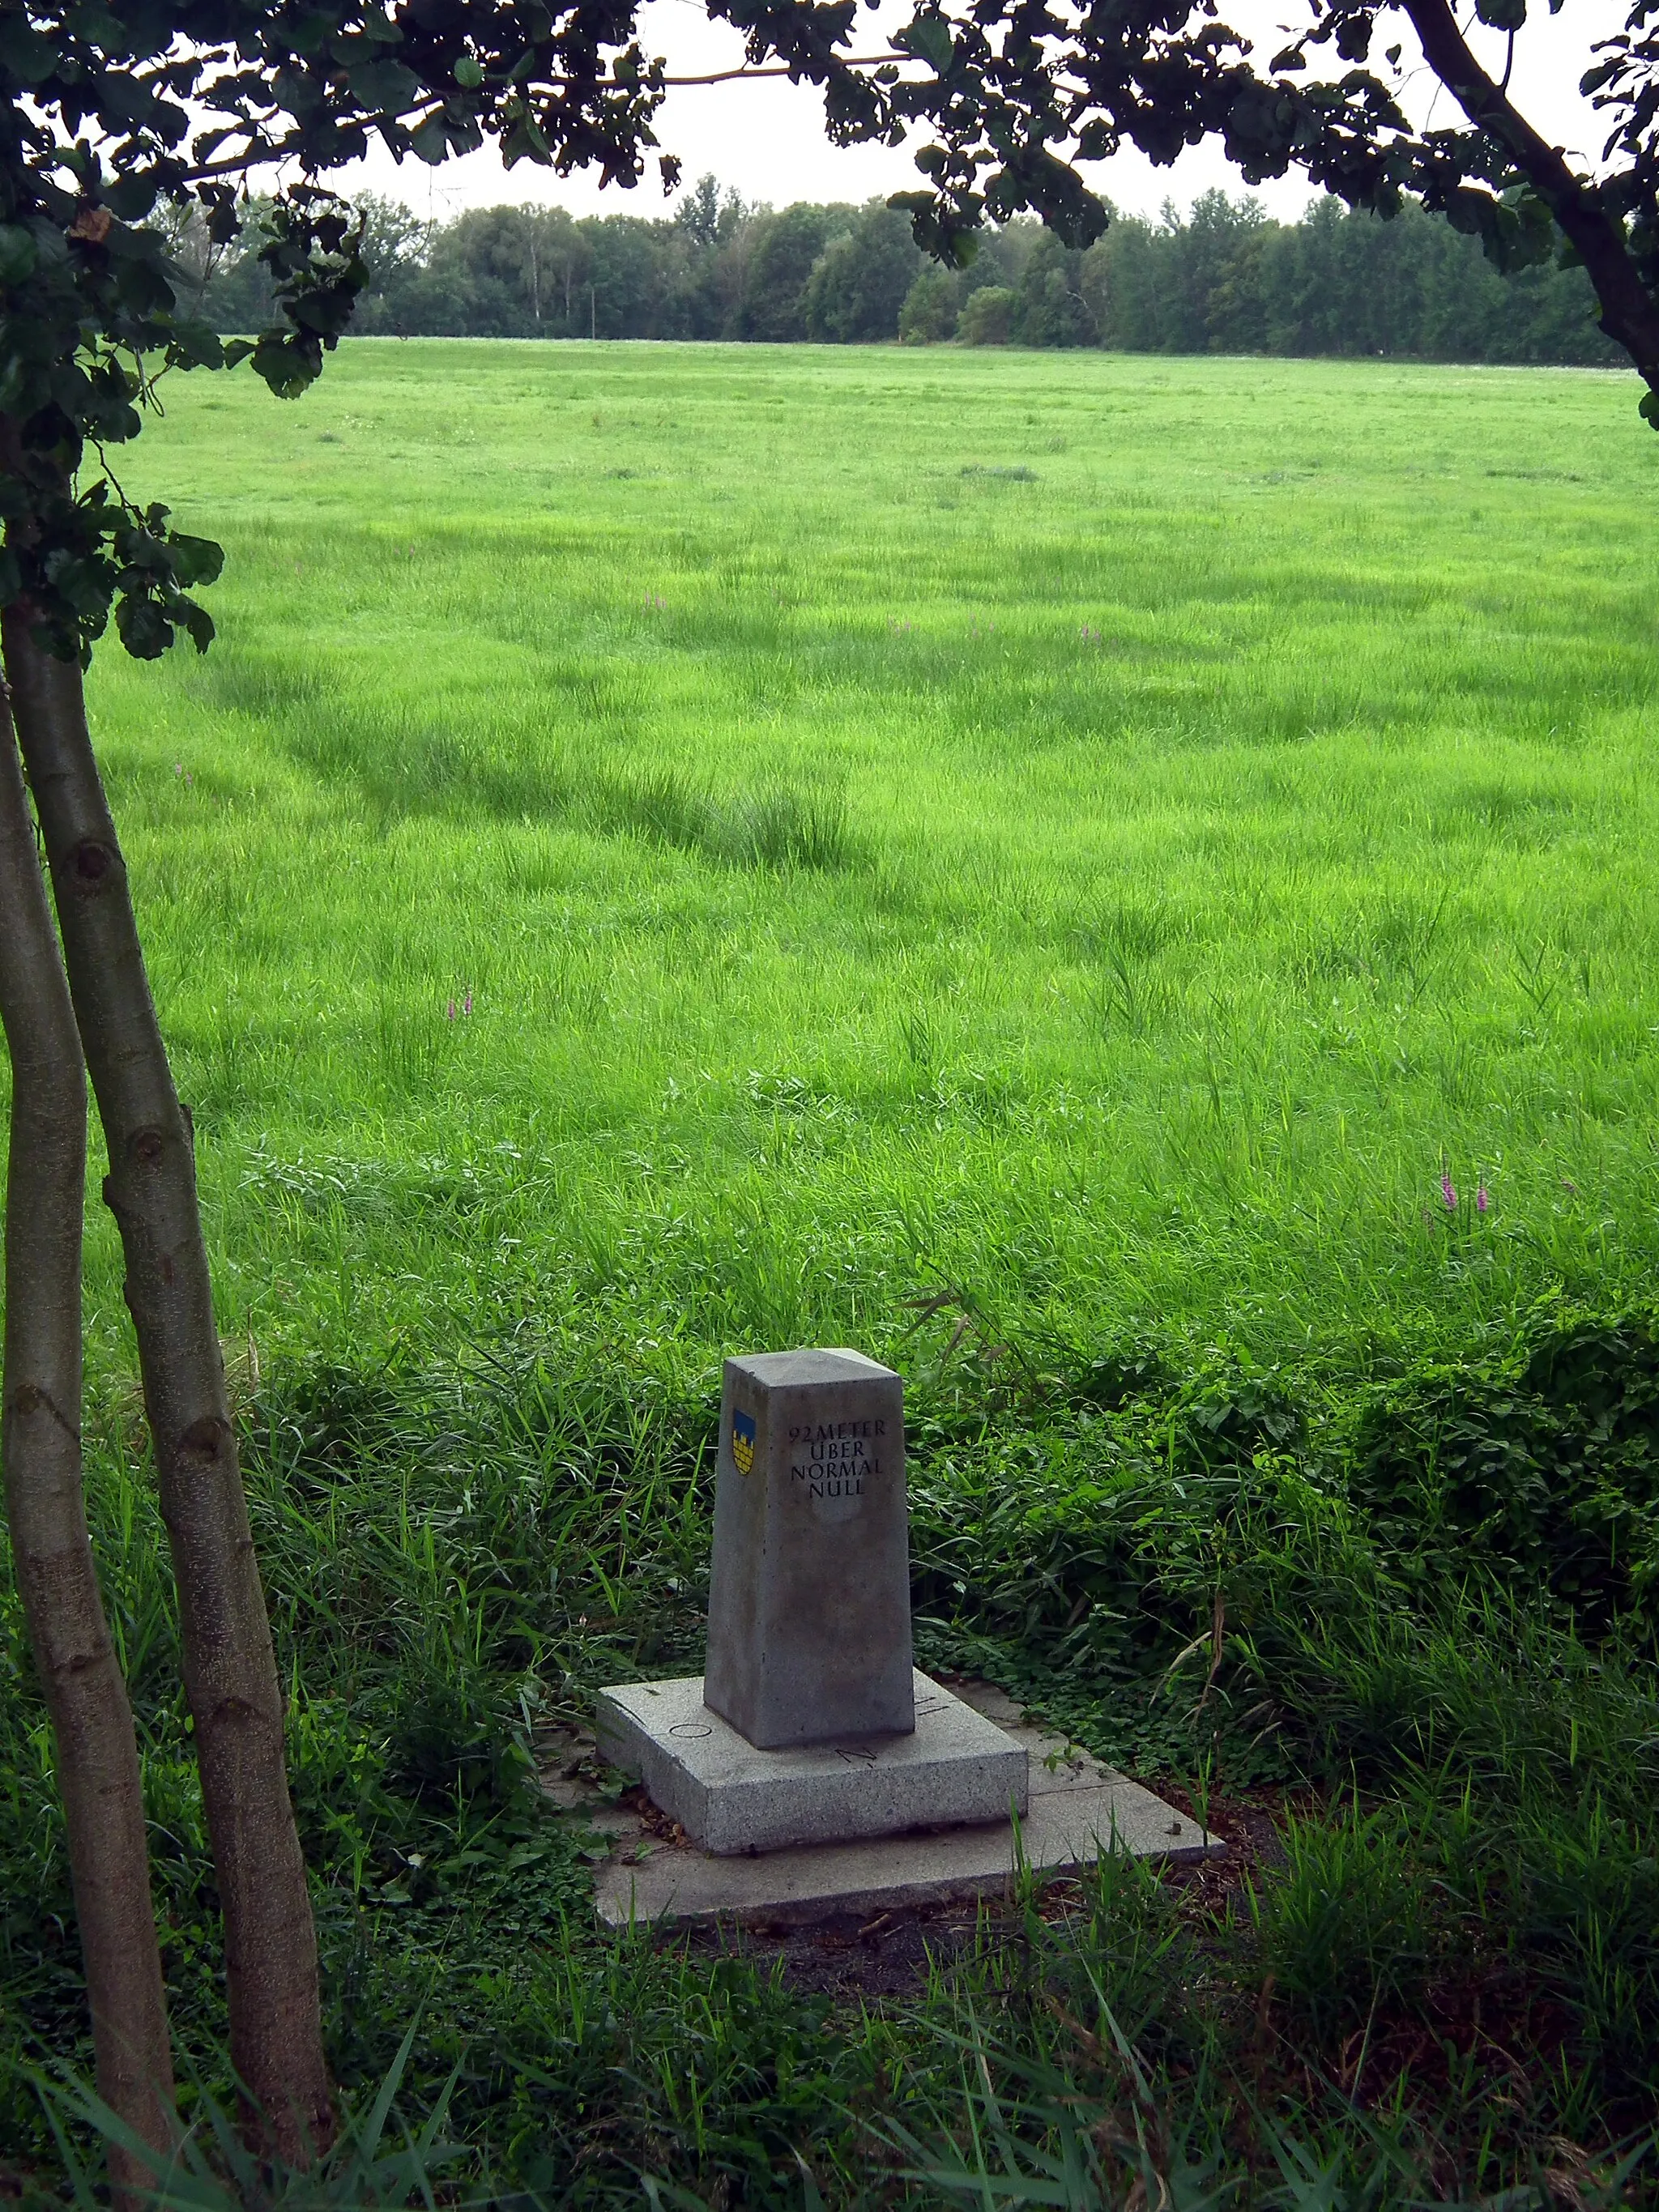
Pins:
<point x="98" y="1772"/>
<point x="230" y="1673"/>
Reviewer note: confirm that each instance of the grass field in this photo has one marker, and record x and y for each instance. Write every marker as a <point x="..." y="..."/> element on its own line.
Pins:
<point x="1107" y="832"/>
<point x="1056" y="870"/>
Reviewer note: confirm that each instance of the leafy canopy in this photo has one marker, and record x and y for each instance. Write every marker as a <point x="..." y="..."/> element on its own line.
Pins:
<point x="114" y="114"/>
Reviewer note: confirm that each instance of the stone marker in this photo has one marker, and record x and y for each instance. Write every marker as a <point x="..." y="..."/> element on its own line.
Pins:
<point x="811" y="1726"/>
<point x="809" y="1605"/>
<point x="812" y="1768"/>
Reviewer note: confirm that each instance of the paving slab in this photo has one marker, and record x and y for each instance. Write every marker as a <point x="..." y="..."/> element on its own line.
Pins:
<point x="1067" y="1829"/>
<point x="955" y="1767"/>
<point x="1078" y="1808"/>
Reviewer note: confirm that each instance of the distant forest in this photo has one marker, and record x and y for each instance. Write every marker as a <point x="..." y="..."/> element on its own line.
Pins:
<point x="1222" y="279"/>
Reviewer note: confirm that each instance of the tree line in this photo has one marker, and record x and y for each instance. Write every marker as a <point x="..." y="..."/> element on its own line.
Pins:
<point x="1224" y="278"/>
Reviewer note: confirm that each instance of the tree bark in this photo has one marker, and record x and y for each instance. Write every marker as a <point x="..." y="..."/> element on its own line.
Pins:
<point x="97" y="1752"/>
<point x="92" y="1721"/>
<point x="230" y="1672"/>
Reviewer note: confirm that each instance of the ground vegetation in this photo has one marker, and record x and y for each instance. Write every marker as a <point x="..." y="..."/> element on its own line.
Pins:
<point x="108" y="117"/>
<point x="1121" y="885"/>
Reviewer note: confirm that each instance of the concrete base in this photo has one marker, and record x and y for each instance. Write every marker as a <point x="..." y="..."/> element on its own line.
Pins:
<point x="958" y="1767"/>
<point x="1078" y="1810"/>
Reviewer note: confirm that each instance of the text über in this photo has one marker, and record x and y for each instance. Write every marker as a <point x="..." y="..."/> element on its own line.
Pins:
<point x="835" y="1457"/>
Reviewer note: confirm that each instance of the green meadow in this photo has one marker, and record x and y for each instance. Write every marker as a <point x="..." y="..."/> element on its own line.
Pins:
<point x="1126" y="887"/>
<point x="1107" y="833"/>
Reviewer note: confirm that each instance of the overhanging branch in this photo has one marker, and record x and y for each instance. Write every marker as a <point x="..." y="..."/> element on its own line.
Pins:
<point x="1629" y="315"/>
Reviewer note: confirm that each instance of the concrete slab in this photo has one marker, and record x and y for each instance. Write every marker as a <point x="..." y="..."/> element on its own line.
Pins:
<point x="955" y="1767"/>
<point x="1067" y="1829"/>
<point x="1078" y="1808"/>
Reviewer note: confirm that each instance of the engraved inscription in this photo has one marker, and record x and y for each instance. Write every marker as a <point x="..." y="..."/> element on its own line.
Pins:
<point x="831" y="1459"/>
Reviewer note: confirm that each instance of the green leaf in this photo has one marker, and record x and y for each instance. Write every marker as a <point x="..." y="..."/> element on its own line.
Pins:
<point x="30" y="58"/>
<point x="468" y="73"/>
<point x="524" y="142"/>
<point x="143" y="627"/>
<point x="929" y="36"/>
<point x="430" y="144"/>
<point x="100" y="24"/>
<point x="385" y="86"/>
<point x="130" y="198"/>
<point x="287" y="364"/>
<point x="195" y="560"/>
<point x="18" y="255"/>
<point x="83" y="585"/>
<point x="196" y="345"/>
<point x="311" y="34"/>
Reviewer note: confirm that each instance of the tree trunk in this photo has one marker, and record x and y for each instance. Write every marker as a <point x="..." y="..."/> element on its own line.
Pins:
<point x="97" y="1753"/>
<point x="230" y="1672"/>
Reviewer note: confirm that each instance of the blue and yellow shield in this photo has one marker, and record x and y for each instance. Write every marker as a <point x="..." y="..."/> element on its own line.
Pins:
<point x="743" y="1441"/>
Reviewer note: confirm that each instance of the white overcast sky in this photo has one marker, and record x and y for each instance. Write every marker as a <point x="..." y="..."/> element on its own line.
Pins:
<point x="765" y="139"/>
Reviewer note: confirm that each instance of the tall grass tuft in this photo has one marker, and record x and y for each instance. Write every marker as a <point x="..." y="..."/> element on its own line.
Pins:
<point x="777" y="825"/>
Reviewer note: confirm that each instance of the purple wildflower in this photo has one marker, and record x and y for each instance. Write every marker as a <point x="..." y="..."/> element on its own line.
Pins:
<point x="466" y="1004"/>
<point x="449" y="1011"/>
<point x="1448" y="1191"/>
<point x="1482" y="1198"/>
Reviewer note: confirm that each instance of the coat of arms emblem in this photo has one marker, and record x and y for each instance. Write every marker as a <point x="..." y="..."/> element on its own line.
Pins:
<point x="743" y="1441"/>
